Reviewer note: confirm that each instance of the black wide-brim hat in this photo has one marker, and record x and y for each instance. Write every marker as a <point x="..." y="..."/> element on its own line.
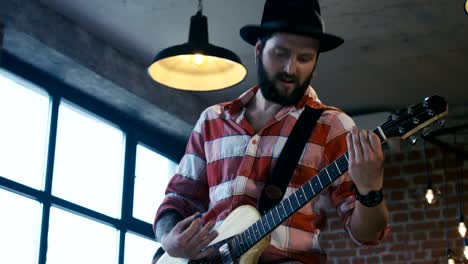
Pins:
<point x="300" y="17"/>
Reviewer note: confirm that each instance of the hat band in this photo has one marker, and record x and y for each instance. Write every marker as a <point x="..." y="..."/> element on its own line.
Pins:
<point x="287" y="26"/>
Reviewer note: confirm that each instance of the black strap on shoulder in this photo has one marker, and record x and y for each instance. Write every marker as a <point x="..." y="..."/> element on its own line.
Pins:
<point x="275" y="185"/>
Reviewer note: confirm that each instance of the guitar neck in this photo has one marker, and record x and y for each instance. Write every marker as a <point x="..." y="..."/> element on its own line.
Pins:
<point x="242" y="242"/>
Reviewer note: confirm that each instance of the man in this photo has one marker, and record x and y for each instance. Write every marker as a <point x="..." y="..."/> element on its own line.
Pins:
<point x="234" y="147"/>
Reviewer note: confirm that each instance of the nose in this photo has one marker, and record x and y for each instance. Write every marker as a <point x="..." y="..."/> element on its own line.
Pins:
<point x="290" y="66"/>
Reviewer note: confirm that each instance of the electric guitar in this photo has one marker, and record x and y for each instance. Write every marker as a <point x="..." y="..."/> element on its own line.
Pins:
<point x="245" y="234"/>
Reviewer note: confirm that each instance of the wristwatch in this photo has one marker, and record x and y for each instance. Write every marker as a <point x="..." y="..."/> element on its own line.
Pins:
<point x="373" y="198"/>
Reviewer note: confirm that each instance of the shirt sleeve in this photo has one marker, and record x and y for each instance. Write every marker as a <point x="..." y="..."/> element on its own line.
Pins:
<point x="342" y="190"/>
<point x="187" y="191"/>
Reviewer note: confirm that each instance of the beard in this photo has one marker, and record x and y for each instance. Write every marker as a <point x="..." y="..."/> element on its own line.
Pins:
<point x="273" y="93"/>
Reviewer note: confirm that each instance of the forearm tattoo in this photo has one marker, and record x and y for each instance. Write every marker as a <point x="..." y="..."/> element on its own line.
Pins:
<point x="166" y="222"/>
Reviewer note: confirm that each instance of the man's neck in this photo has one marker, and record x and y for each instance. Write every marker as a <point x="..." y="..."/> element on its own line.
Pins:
<point x="259" y="104"/>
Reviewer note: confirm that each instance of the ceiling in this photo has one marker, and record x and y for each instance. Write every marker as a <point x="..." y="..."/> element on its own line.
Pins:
<point x="396" y="52"/>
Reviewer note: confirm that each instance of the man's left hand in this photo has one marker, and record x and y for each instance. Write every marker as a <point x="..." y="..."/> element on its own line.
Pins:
<point x="366" y="160"/>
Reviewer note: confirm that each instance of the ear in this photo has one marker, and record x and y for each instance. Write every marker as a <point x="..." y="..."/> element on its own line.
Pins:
<point x="258" y="48"/>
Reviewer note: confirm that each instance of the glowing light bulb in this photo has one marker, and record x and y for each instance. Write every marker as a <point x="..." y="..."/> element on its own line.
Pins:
<point x="451" y="261"/>
<point x="198" y="59"/>
<point x="429" y="196"/>
<point x="462" y="229"/>
<point x="465" y="252"/>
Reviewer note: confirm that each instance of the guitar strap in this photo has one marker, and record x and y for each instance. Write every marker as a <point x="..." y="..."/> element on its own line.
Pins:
<point x="275" y="185"/>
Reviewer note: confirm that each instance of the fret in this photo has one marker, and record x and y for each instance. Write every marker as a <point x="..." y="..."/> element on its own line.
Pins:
<point x="290" y="204"/>
<point x="327" y="174"/>
<point x="268" y="220"/>
<point x="318" y="177"/>
<point x="312" y="187"/>
<point x="252" y="237"/>
<point x="343" y="164"/>
<point x="333" y="172"/>
<point x="346" y="156"/>
<point x="324" y="178"/>
<point x="265" y="222"/>
<point x="301" y="196"/>
<point x="257" y="232"/>
<point x="337" y="168"/>
<point x="308" y="190"/>
<point x="297" y="201"/>
<point x="315" y="186"/>
<point x="276" y="220"/>
<point x="263" y="231"/>
<point x="242" y="242"/>
<point x="235" y="246"/>
<point x="284" y="215"/>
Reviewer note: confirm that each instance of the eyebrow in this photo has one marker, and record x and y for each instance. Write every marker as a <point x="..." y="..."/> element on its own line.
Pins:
<point x="302" y="53"/>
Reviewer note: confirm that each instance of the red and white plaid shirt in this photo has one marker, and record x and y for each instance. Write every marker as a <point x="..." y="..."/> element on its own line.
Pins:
<point x="226" y="164"/>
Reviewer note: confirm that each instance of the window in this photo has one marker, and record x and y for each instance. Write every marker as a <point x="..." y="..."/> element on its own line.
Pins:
<point x="76" y="239"/>
<point x="24" y="115"/>
<point x="63" y="165"/>
<point x="88" y="168"/>
<point x="152" y="174"/>
<point x="19" y="228"/>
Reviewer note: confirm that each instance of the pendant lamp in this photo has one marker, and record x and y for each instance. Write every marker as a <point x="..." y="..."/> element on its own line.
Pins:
<point x="197" y="65"/>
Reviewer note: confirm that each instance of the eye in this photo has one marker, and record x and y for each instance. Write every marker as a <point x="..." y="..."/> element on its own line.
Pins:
<point x="281" y="53"/>
<point x="305" y="58"/>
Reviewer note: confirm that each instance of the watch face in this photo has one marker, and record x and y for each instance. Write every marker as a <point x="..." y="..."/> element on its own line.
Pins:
<point x="371" y="199"/>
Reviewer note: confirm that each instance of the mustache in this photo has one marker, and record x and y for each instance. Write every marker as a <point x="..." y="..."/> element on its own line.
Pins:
<point x="287" y="77"/>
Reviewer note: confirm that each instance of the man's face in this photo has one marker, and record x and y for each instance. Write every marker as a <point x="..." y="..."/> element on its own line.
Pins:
<point x="285" y="66"/>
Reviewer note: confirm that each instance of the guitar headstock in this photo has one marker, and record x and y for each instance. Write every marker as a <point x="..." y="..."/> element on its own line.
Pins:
<point x="406" y="122"/>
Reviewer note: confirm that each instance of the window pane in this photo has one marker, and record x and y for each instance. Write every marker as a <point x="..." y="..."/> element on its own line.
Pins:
<point x="24" y="115"/>
<point x="139" y="249"/>
<point x="88" y="166"/>
<point x="152" y="173"/>
<point x="20" y="222"/>
<point x="75" y="240"/>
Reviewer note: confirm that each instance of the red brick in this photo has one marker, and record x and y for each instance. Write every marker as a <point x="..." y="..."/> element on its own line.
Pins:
<point x="396" y="184"/>
<point x="413" y="168"/>
<point x="359" y="261"/>
<point x="417" y="216"/>
<point x="419" y="235"/>
<point x="400" y="217"/>
<point x="372" y="260"/>
<point x="392" y="171"/>
<point x="415" y="155"/>
<point x="397" y="195"/>
<point x="433" y="244"/>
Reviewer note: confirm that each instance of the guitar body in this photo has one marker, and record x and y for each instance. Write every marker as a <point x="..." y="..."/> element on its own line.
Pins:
<point x="236" y="222"/>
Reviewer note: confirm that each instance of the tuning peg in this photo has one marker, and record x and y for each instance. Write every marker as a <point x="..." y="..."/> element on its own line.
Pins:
<point x="441" y="123"/>
<point x="413" y="140"/>
<point x="430" y="112"/>
<point x="426" y="102"/>
<point x="415" y="121"/>
<point x="426" y="131"/>
<point x="401" y="130"/>
<point x="410" y="110"/>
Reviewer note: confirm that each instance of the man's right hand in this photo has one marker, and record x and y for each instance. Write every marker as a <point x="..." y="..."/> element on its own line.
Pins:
<point x="189" y="239"/>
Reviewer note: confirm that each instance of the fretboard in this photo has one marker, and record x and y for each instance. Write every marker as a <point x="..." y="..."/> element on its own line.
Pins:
<point x="273" y="218"/>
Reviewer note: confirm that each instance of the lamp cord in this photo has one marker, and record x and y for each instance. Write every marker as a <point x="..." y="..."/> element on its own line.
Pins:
<point x="444" y="161"/>
<point x="200" y="6"/>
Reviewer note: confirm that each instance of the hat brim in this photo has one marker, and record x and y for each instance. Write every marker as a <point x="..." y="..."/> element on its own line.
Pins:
<point x="251" y="34"/>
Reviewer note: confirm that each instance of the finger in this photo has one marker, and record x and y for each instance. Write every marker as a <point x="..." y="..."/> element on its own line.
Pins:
<point x="191" y="230"/>
<point x="357" y="145"/>
<point x="182" y="225"/>
<point x="349" y="141"/>
<point x="375" y="143"/>
<point x="205" y="253"/>
<point x="365" y="144"/>
<point x="201" y="236"/>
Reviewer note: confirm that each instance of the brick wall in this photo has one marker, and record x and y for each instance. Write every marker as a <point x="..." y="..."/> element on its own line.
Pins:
<point x="418" y="230"/>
